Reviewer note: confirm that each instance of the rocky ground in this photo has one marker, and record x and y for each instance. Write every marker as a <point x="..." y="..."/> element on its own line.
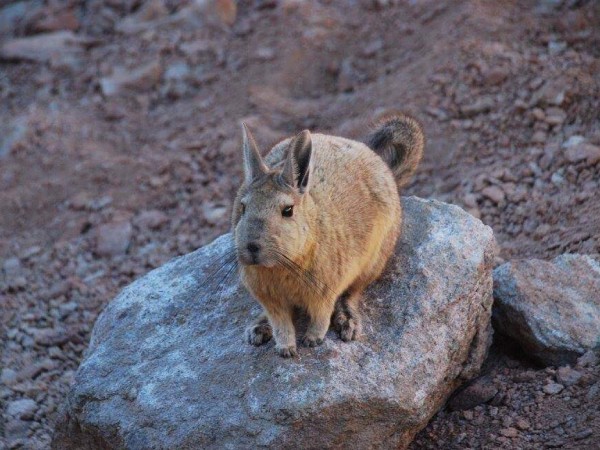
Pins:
<point x="119" y="149"/>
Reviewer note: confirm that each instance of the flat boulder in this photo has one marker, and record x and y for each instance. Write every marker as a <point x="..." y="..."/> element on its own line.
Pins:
<point x="167" y="366"/>
<point x="551" y="308"/>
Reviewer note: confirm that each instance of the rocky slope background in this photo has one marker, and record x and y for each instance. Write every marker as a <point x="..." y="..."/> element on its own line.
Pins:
<point x="119" y="149"/>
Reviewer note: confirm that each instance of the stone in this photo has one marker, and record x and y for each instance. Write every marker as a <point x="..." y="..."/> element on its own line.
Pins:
<point x="113" y="238"/>
<point x="43" y="47"/>
<point x="495" y="76"/>
<point x="494" y="193"/>
<point x="8" y="377"/>
<point x="167" y="366"/>
<point x="573" y="140"/>
<point x="479" y="106"/>
<point x="588" y="359"/>
<point x="553" y="388"/>
<point x="21" y="409"/>
<point x="214" y="212"/>
<point x="551" y="308"/>
<point x="155" y="15"/>
<point x="12" y="267"/>
<point x="477" y="393"/>
<point x="151" y="11"/>
<point x="141" y="78"/>
<point x="522" y="424"/>
<point x="49" y="21"/>
<point x="16" y="429"/>
<point x="12" y="133"/>
<point x="583" y="151"/>
<point x="509" y="432"/>
<point x="152" y="219"/>
<point x="49" y="336"/>
<point x="349" y="77"/>
<point x="568" y="376"/>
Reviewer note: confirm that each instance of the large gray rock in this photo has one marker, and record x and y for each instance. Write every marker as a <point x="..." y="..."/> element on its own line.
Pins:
<point x="551" y="308"/>
<point x="167" y="366"/>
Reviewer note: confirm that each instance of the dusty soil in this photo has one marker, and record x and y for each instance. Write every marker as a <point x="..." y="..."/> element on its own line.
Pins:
<point x="121" y="151"/>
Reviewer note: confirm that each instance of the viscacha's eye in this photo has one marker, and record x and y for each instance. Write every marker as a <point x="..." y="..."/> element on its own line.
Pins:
<point x="288" y="211"/>
<point x="243" y="208"/>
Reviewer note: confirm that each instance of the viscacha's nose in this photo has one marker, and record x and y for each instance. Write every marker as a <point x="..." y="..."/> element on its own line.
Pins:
<point x="253" y="248"/>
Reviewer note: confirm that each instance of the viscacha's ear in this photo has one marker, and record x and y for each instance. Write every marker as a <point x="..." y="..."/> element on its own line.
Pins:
<point x="254" y="165"/>
<point x="299" y="163"/>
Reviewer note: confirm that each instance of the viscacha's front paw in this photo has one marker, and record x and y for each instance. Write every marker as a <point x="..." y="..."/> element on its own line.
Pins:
<point x="259" y="334"/>
<point x="350" y="330"/>
<point x="311" y="341"/>
<point x="287" y="351"/>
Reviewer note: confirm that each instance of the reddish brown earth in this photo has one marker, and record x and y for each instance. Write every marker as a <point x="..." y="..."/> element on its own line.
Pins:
<point x="121" y="151"/>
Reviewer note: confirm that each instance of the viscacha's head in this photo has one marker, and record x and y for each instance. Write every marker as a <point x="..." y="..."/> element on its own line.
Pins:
<point x="273" y="210"/>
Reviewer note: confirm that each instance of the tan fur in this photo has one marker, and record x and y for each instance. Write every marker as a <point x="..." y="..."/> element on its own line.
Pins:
<point x="343" y="230"/>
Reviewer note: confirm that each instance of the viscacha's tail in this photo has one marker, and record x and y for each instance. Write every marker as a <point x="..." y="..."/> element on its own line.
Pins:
<point x="399" y="140"/>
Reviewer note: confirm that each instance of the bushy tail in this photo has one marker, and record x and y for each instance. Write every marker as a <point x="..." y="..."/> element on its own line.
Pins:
<point x="399" y="140"/>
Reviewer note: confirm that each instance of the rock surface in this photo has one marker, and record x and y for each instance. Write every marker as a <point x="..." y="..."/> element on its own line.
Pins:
<point x="552" y="308"/>
<point x="167" y="366"/>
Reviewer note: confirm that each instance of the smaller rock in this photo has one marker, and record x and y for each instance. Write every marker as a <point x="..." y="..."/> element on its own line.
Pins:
<point x="583" y="434"/>
<point x="8" y="377"/>
<point x="588" y="359"/>
<point x="152" y="10"/>
<point x="555" y="116"/>
<point x="494" y="193"/>
<point x="509" y="432"/>
<point x="372" y="48"/>
<point x="213" y="212"/>
<point x="481" y="105"/>
<point x="593" y="391"/>
<point x="573" y="140"/>
<point x="348" y="77"/>
<point x="22" y="409"/>
<point x="113" y="238"/>
<point x="49" y="336"/>
<point x="522" y="424"/>
<point x="551" y="308"/>
<point x="177" y="71"/>
<point x="49" y="21"/>
<point x="495" y="76"/>
<point x="583" y="151"/>
<point x="553" y="388"/>
<point x="539" y="137"/>
<point x="12" y="268"/>
<point x="152" y="219"/>
<point x="141" y="78"/>
<point x="480" y="391"/>
<point x="567" y="376"/>
<point x="16" y="430"/>
<point x="265" y="53"/>
<point x="43" y="47"/>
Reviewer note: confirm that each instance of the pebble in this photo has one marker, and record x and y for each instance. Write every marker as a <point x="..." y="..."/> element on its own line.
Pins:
<point x="539" y="137"/>
<point x="480" y="391"/>
<point x="113" y="238"/>
<point x="481" y="105"/>
<point x="509" y="432"/>
<point x="141" y="78"/>
<point x="49" y="336"/>
<point x="522" y="424"/>
<point x="588" y="359"/>
<point x="8" y="377"/>
<point x="573" y="140"/>
<point x="583" y="151"/>
<point x="553" y="388"/>
<point x="568" y="376"/>
<point x="151" y="219"/>
<point x="494" y="193"/>
<point x="21" y="409"/>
